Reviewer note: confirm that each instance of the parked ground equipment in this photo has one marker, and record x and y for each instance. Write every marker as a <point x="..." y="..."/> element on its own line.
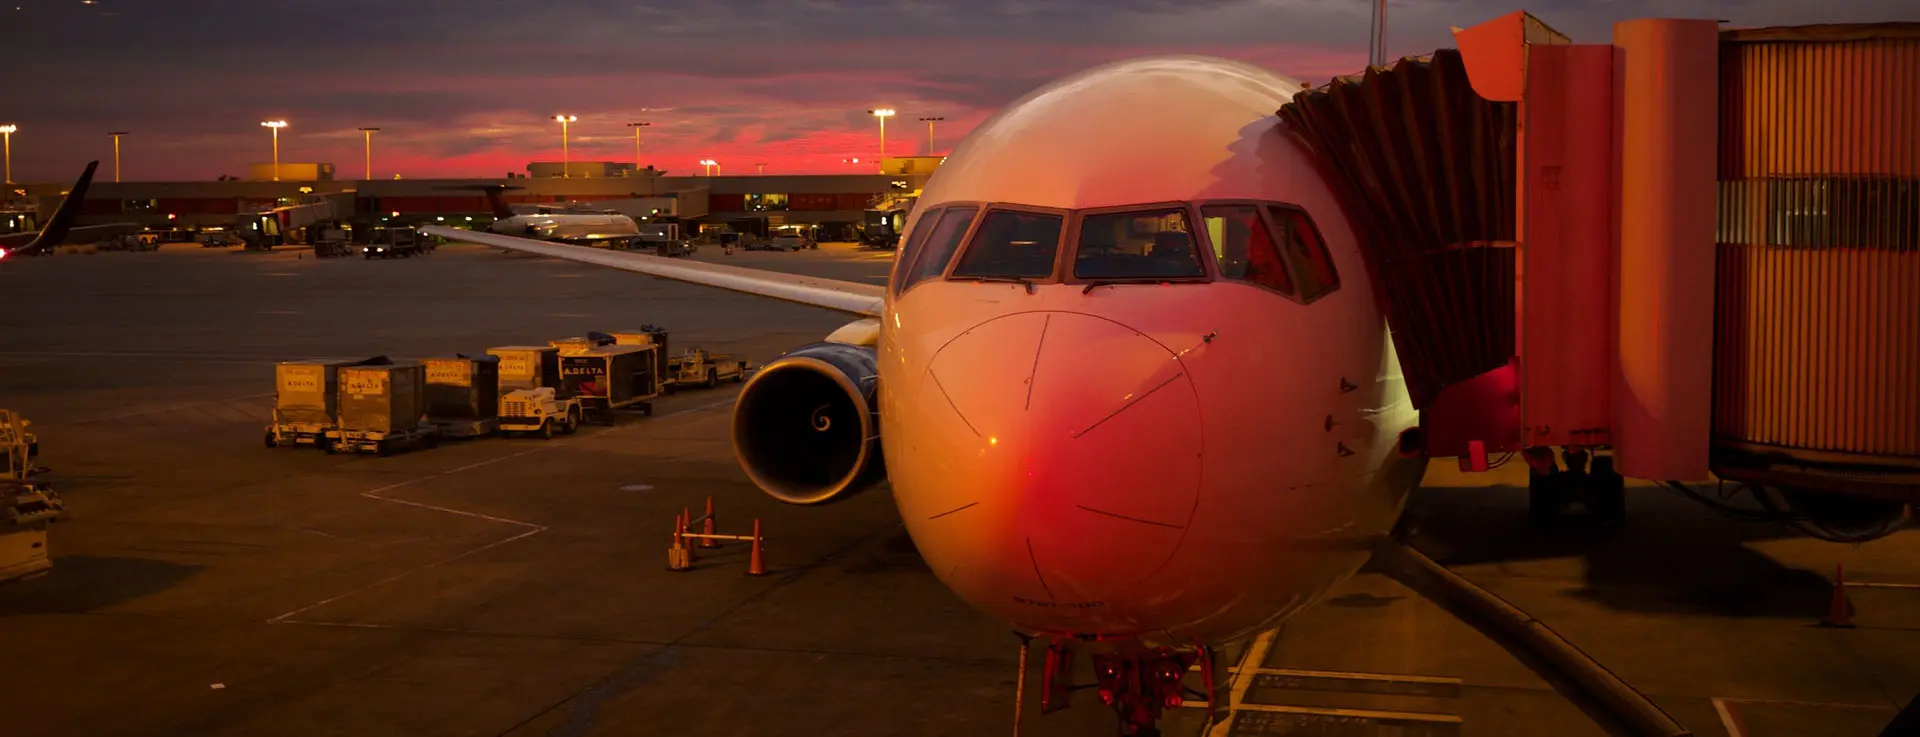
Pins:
<point x="530" y="400"/>
<point x="382" y="409"/>
<point x="391" y="242"/>
<point x="697" y="368"/>
<point x="306" y="400"/>
<point x="612" y="377"/>
<point x="26" y="508"/>
<point x="463" y="395"/>
<point x="652" y="335"/>
<point x="576" y="345"/>
<point x="19" y="447"/>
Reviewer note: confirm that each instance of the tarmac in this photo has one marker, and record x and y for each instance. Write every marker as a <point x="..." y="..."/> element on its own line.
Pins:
<point x="208" y="585"/>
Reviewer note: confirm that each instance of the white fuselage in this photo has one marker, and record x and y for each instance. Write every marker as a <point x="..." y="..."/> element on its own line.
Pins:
<point x="1168" y="461"/>
<point x="567" y="226"/>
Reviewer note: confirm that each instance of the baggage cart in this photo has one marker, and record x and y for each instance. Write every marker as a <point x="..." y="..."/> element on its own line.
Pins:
<point x="612" y="377"/>
<point x="306" y="400"/>
<point x="382" y="409"/>
<point x="463" y="395"/>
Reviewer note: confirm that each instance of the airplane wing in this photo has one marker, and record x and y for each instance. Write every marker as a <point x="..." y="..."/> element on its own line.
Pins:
<point x="80" y="234"/>
<point x="842" y="296"/>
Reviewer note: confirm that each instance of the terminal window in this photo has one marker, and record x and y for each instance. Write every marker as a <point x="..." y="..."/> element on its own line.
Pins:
<point x="766" y="203"/>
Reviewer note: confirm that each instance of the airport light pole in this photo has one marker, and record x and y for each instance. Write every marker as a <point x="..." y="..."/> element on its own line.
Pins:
<point x="275" y="126"/>
<point x="930" y="122"/>
<point x="763" y="168"/>
<point x="566" y="159"/>
<point x="636" y="145"/>
<point x="116" y="153"/>
<point x="7" y="132"/>
<point x="883" y="114"/>
<point x="712" y="166"/>
<point x="368" y="132"/>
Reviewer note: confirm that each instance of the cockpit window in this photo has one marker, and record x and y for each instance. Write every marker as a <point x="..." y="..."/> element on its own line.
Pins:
<point x="1013" y="245"/>
<point x="935" y="248"/>
<point x="910" y="247"/>
<point x="1146" y="244"/>
<point x="1306" y="252"/>
<point x="1244" y="247"/>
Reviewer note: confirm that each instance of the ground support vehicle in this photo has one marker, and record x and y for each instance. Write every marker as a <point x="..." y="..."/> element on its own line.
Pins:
<point x="698" y="368"/>
<point x="541" y="411"/>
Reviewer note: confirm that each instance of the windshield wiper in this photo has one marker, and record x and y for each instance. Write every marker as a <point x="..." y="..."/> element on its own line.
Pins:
<point x="999" y="280"/>
<point x="1096" y="283"/>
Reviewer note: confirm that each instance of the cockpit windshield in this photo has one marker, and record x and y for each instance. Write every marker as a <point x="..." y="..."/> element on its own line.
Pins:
<point x="1013" y="245"/>
<point x="1146" y="244"/>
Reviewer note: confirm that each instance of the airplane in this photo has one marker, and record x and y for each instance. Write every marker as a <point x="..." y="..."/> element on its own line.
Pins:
<point x="567" y="227"/>
<point x="1128" y="380"/>
<point x="60" y="227"/>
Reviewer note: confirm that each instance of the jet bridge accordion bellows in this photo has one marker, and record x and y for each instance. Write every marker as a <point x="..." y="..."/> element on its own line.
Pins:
<point x="1425" y="168"/>
<point x="1817" y="311"/>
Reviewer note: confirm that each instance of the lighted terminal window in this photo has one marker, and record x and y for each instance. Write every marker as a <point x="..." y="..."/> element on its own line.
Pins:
<point x="1012" y="245"/>
<point x="932" y="244"/>
<point x="1244" y="247"/>
<point x="1149" y="244"/>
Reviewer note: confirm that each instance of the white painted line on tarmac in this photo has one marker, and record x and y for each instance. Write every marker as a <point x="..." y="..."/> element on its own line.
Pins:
<point x="173" y="408"/>
<point x="1243" y="680"/>
<point x="1727" y="721"/>
<point x="1345" y="676"/>
<point x="1874" y="585"/>
<point x="529" y="529"/>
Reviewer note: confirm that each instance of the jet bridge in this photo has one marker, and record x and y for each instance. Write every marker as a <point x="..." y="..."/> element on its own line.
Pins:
<point x="1697" y="248"/>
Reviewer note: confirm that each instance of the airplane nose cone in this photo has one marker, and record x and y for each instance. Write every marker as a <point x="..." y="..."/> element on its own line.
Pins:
<point x="1077" y="441"/>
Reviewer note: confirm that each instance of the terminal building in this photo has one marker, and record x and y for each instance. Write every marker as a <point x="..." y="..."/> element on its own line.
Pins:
<point x="835" y="203"/>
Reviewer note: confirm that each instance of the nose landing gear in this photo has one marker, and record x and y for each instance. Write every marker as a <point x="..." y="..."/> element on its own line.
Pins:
<point x="1138" y="683"/>
<point x="1588" y="481"/>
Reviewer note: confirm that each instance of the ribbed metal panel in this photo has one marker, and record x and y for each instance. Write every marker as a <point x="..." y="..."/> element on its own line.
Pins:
<point x="1426" y="168"/>
<point x="1817" y="344"/>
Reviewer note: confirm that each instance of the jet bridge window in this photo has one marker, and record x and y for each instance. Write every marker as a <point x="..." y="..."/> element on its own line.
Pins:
<point x="1149" y="244"/>
<point x="932" y="245"/>
<point x="1306" y="252"/>
<point x="1011" y="244"/>
<point x="1245" y="248"/>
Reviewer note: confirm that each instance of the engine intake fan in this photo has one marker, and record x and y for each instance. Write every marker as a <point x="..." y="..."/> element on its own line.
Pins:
<point x="807" y="426"/>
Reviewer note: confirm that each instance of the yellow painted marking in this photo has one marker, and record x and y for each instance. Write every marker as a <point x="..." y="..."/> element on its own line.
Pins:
<point x="1354" y="676"/>
<point x="1405" y="716"/>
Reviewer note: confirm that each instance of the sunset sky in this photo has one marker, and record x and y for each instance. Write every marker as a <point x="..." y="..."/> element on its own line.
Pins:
<point x="469" y="88"/>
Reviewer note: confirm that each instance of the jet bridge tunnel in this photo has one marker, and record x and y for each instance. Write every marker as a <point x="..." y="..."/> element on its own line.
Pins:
<point x="1697" y="247"/>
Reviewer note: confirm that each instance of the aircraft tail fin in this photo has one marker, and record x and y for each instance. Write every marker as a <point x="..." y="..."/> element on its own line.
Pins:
<point x="61" y="223"/>
<point x="495" y="200"/>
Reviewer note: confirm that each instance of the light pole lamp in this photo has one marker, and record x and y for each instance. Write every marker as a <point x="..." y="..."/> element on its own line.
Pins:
<point x="930" y="122"/>
<point x="116" y="153"/>
<point x="275" y="126"/>
<point x="636" y="145"/>
<point x="566" y="160"/>
<point x="368" y="132"/>
<point x="712" y="166"/>
<point x="7" y="131"/>
<point x="762" y="168"/>
<point x="883" y="114"/>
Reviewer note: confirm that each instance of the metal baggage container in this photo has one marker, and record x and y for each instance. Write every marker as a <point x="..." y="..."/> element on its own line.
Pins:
<point x="645" y="336"/>
<point x="305" y="391"/>
<point x="463" y="388"/>
<point x="527" y="367"/>
<point x="577" y="345"/>
<point x="383" y="399"/>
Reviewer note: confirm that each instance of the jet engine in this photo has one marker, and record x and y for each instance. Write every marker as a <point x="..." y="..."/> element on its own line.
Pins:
<point x="807" y="426"/>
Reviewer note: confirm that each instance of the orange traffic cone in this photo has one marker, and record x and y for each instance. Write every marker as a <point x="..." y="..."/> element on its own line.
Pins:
<point x="1840" y="611"/>
<point x="708" y="542"/>
<point x="756" y="566"/>
<point x="677" y="558"/>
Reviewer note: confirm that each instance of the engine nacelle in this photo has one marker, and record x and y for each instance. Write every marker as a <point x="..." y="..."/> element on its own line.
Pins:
<point x="807" y="426"/>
